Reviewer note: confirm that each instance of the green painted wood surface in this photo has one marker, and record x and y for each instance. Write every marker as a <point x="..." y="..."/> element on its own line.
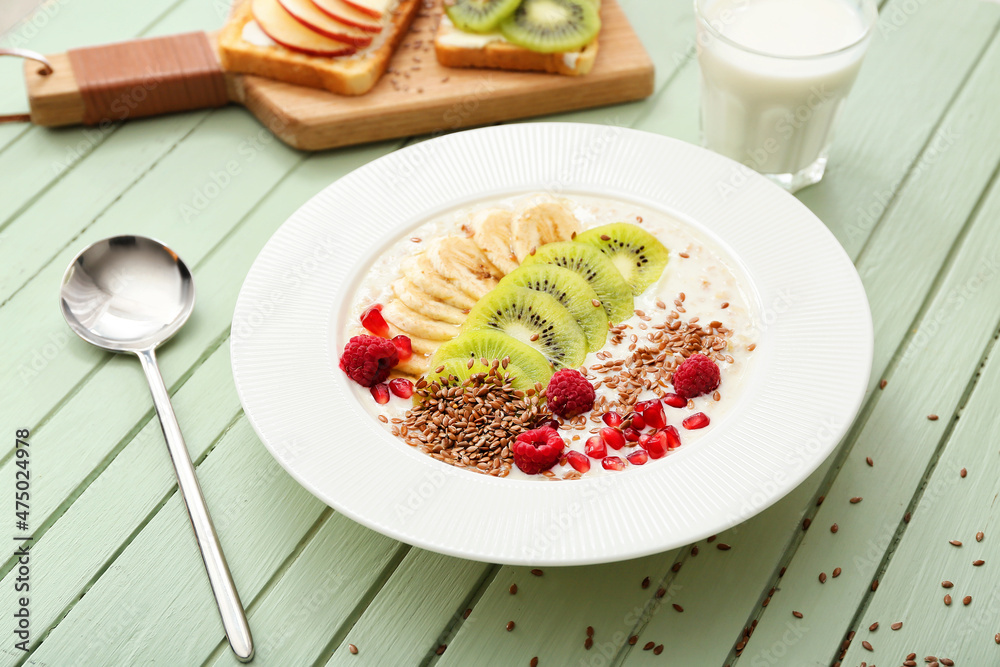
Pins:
<point x="912" y="194"/>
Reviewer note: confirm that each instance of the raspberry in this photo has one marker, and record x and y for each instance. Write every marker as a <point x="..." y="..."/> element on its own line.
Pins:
<point x="367" y="359"/>
<point x="537" y="450"/>
<point x="696" y="376"/>
<point x="569" y="394"/>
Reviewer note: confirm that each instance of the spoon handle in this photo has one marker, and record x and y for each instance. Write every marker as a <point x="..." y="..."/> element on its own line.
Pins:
<point x="234" y="619"/>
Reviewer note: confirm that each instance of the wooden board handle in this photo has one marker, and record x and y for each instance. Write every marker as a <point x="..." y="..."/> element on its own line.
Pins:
<point x="143" y="77"/>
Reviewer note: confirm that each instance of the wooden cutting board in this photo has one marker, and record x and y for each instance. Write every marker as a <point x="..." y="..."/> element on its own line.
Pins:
<point x="415" y="96"/>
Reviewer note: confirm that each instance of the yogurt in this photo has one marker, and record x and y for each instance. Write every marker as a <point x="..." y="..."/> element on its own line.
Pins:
<point x="775" y="75"/>
<point x="714" y="289"/>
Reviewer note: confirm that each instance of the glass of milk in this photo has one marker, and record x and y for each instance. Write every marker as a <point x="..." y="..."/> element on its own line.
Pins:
<point x="774" y="78"/>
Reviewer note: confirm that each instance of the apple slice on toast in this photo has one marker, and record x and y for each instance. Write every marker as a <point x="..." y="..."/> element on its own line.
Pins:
<point x="280" y="26"/>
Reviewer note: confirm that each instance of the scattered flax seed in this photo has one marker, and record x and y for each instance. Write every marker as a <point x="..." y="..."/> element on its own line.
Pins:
<point x="587" y="643"/>
<point x="963" y="472"/>
<point x="466" y="614"/>
<point x="649" y="645"/>
<point x="595" y="303"/>
<point x="874" y="585"/>
<point x="684" y="255"/>
<point x="947" y="600"/>
<point x="678" y="608"/>
<point x="645" y="582"/>
<point x="867" y="646"/>
<point x="836" y="572"/>
<point x="513" y="589"/>
<point x="590" y="631"/>
<point x="534" y="662"/>
<point x="711" y="538"/>
<point x="676" y="567"/>
<point x="806" y="522"/>
<point x="797" y="614"/>
<point x="977" y="563"/>
<point x="873" y="627"/>
<point x="906" y="517"/>
<point x="353" y="649"/>
<point x="933" y="418"/>
<point x="781" y="572"/>
<point x="856" y="499"/>
<point x="955" y="543"/>
<point x="896" y="626"/>
<point x="834" y="528"/>
<point x="967" y="599"/>
<point x="822" y="577"/>
<point x="725" y="304"/>
<point x="660" y="592"/>
<point x="658" y="650"/>
<point x="510" y="626"/>
<point x="979" y="536"/>
<point x="722" y="546"/>
<point x="947" y="584"/>
<point x="632" y="640"/>
<point x="537" y="572"/>
<point x="883" y="383"/>
<point x="819" y="501"/>
<point x="694" y="550"/>
<point x="947" y="662"/>
<point x="440" y="649"/>
<point x="416" y="239"/>
<point x="868" y="460"/>
<point x="996" y="638"/>
<point x="533" y="337"/>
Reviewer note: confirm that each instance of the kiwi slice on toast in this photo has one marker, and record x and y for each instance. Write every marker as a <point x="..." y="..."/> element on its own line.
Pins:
<point x="479" y="15"/>
<point x="572" y="291"/>
<point x="491" y="345"/>
<point x="636" y="253"/>
<point x="552" y="26"/>
<point x="594" y="266"/>
<point x="536" y="319"/>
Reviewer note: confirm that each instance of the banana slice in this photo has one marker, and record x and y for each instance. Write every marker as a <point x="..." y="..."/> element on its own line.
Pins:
<point x="525" y="236"/>
<point x="416" y="299"/>
<point x="420" y="346"/>
<point x="417" y="324"/>
<point x="491" y="232"/>
<point x="461" y="261"/>
<point x="415" y="366"/>
<point x="422" y="273"/>
<point x="551" y="217"/>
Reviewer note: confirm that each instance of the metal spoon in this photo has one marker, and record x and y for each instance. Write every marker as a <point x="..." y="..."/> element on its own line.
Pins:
<point x="129" y="294"/>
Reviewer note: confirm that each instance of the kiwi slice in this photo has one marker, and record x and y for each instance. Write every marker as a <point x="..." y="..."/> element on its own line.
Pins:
<point x="479" y="15"/>
<point x="636" y="253"/>
<point x="454" y="372"/>
<point x="614" y="293"/>
<point x="552" y="26"/>
<point x="534" y="318"/>
<point x="572" y="291"/>
<point x="491" y="345"/>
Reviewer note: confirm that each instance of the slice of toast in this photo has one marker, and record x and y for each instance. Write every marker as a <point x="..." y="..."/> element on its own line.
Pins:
<point x="494" y="52"/>
<point x="347" y="75"/>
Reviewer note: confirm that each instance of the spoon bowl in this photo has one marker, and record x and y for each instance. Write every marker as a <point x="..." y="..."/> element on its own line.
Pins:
<point x="127" y="293"/>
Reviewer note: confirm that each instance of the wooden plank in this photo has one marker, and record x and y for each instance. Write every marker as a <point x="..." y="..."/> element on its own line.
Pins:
<point x="551" y="613"/>
<point x="319" y="593"/>
<point x="406" y="622"/>
<point x="951" y="506"/>
<point x="154" y="599"/>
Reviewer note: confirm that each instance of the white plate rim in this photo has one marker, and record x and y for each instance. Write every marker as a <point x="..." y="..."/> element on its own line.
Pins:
<point x="286" y="320"/>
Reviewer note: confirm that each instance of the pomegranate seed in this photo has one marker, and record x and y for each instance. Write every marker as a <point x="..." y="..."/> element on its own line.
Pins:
<point x="644" y="439"/>
<point x="637" y="421"/>
<point x="672" y="436"/>
<point x="631" y="434"/>
<point x="403" y="347"/>
<point x="596" y="448"/>
<point x="656" y="445"/>
<point x="401" y="387"/>
<point x="612" y="463"/>
<point x="675" y="401"/>
<point x="612" y="419"/>
<point x="613" y="438"/>
<point x="551" y="423"/>
<point x="697" y="420"/>
<point x="638" y="457"/>
<point x="372" y="320"/>
<point x="579" y="462"/>
<point x="654" y="415"/>
<point x="380" y="393"/>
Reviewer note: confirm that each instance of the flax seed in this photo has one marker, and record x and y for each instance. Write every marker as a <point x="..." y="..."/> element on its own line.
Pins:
<point x="632" y="640"/>
<point x="933" y="418"/>
<point x="947" y="600"/>
<point x="906" y="518"/>
<point x="868" y="460"/>
<point x="955" y="543"/>
<point x="966" y="600"/>
<point x="822" y="577"/>
<point x="836" y="572"/>
<point x="510" y="626"/>
<point x="806" y="522"/>
<point x="513" y="589"/>
<point x="649" y="645"/>
<point x="874" y="585"/>
<point x="873" y="627"/>
<point x="977" y="563"/>
<point x="537" y="572"/>
<point x="353" y="649"/>
<point x="658" y="650"/>
<point x="896" y="626"/>
<point x="440" y="649"/>
<point x="660" y="592"/>
<point x="684" y="255"/>
<point x="962" y="473"/>
<point x="856" y="499"/>
<point x="466" y="614"/>
<point x="645" y="582"/>
<point x="722" y="546"/>
<point x="946" y="584"/>
<point x="979" y="536"/>
<point x="534" y="662"/>
<point x="797" y="614"/>
<point x="678" y="608"/>
<point x="883" y="383"/>
<point x="819" y="501"/>
<point x="587" y="643"/>
<point x="867" y="646"/>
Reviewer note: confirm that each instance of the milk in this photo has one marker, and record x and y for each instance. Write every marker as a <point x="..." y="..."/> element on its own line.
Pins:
<point x="774" y="78"/>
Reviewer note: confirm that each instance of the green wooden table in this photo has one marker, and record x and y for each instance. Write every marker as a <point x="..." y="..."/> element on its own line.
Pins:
<point x="115" y="578"/>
